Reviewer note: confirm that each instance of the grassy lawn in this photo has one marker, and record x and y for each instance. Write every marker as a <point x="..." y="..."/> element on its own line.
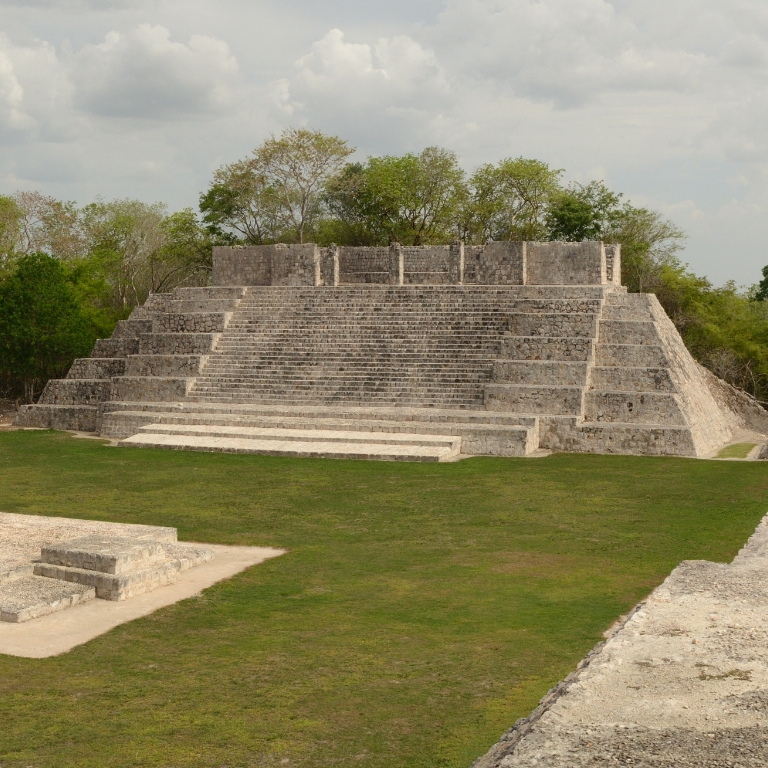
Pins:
<point x="736" y="451"/>
<point x="420" y="611"/>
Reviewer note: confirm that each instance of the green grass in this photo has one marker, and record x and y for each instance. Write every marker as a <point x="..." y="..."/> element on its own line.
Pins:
<point x="736" y="451"/>
<point x="420" y="610"/>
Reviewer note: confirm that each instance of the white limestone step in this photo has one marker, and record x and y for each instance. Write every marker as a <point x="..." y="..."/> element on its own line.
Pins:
<point x="310" y="447"/>
<point x="33" y="596"/>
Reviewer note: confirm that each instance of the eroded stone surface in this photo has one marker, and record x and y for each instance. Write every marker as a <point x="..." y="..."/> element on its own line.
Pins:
<point x="684" y="682"/>
<point x="107" y="554"/>
<point x="33" y="596"/>
<point x="46" y="566"/>
<point x="23" y="536"/>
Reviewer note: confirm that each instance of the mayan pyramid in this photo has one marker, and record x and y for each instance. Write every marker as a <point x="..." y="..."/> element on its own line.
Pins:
<point x="409" y="353"/>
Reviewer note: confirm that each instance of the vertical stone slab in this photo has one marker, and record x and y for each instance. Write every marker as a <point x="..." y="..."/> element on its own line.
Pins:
<point x="456" y="263"/>
<point x="566" y="264"/>
<point x="502" y="263"/>
<point x="396" y="264"/>
<point x="613" y="263"/>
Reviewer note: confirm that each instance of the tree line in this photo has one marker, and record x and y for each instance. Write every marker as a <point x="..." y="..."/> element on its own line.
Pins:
<point x="69" y="273"/>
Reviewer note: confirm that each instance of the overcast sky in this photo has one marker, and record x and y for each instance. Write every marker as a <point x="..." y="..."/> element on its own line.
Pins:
<point x="663" y="99"/>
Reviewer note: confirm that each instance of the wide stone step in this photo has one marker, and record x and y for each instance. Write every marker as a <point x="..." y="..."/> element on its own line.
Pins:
<point x="490" y="437"/>
<point x="182" y="306"/>
<point x="627" y="332"/>
<point x="633" y="408"/>
<point x="176" y="343"/>
<point x="632" y="379"/>
<point x="75" y="392"/>
<point x="394" y="401"/>
<point x="624" y="312"/>
<point x="97" y="368"/>
<point x="191" y="322"/>
<point x="557" y="373"/>
<point x="310" y="411"/>
<point x="132" y="328"/>
<point x="310" y="447"/>
<point x="150" y="388"/>
<point x="550" y="400"/>
<point x="115" y="348"/>
<point x="129" y="583"/>
<point x="81" y="418"/>
<point x="635" y="439"/>
<point x="208" y="292"/>
<point x="546" y="348"/>
<point x="644" y="355"/>
<point x="559" y="325"/>
<point x="33" y="596"/>
<point x="164" y="365"/>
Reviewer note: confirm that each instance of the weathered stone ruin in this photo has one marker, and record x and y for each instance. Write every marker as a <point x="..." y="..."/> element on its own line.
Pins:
<point x="48" y="564"/>
<point x="410" y="353"/>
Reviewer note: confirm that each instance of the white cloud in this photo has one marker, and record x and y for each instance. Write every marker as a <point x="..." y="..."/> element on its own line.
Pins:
<point x="665" y="99"/>
<point x="145" y="74"/>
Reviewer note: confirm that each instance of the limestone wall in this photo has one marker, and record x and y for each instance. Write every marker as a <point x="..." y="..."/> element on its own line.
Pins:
<point x="495" y="263"/>
<point x="566" y="264"/>
<point x="266" y="265"/>
<point x="710" y="426"/>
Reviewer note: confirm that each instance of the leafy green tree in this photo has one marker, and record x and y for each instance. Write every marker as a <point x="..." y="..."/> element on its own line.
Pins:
<point x="277" y="193"/>
<point x="649" y="242"/>
<point x="125" y="240"/>
<point x="411" y="199"/>
<point x="509" y="201"/>
<point x="582" y="212"/>
<point x="10" y="234"/>
<point x="188" y="247"/>
<point x="761" y="290"/>
<point x="41" y="326"/>
<point x="241" y="205"/>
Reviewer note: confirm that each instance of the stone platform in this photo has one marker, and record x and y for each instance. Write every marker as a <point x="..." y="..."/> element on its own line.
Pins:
<point x="682" y="682"/>
<point x="49" y="564"/>
<point x="402" y="354"/>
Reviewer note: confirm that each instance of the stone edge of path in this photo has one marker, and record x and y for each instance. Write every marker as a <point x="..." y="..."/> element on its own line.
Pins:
<point x="60" y="632"/>
<point x="752" y="557"/>
<point x="510" y="739"/>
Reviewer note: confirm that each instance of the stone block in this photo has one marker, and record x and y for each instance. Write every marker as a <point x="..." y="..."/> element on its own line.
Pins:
<point x="149" y="388"/>
<point x="32" y="596"/>
<point x="106" y="554"/>
<point x="75" y="392"/>
<point x="115" y="347"/>
<point x="176" y="343"/>
<point x="96" y="368"/>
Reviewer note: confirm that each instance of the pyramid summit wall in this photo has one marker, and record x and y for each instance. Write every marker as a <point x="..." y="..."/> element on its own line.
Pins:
<point x="495" y="263"/>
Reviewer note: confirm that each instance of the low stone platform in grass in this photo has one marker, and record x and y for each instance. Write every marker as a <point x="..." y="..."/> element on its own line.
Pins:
<point x="306" y="443"/>
<point x="49" y="564"/>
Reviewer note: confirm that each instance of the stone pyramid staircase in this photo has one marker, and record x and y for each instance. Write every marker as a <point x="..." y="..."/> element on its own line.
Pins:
<point x="412" y="372"/>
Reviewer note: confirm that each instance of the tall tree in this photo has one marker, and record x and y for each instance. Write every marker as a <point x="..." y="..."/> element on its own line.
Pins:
<point x="411" y="199"/>
<point x="509" y="201"/>
<point x="649" y="243"/>
<point x="277" y="193"/>
<point x="41" y="326"/>
<point x="125" y="243"/>
<point x="582" y="212"/>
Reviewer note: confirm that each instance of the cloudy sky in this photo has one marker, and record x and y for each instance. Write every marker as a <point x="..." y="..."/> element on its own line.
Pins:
<point x="666" y="100"/>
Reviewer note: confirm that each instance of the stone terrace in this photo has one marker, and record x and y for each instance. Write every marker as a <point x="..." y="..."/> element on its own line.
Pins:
<point x="395" y="353"/>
